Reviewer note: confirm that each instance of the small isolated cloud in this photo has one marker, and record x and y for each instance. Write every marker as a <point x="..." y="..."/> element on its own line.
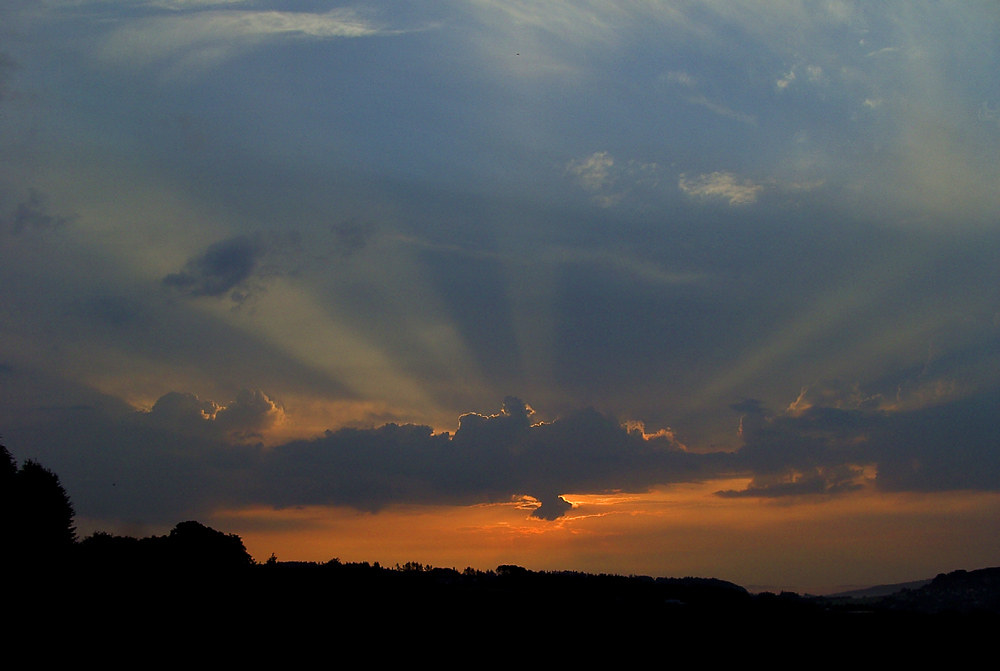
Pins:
<point x="721" y="185"/>
<point x="678" y="77"/>
<point x="551" y="507"/>
<point x="610" y="180"/>
<point x="784" y="81"/>
<point x="597" y="173"/>
<point x="593" y="172"/>
<point x="812" y="73"/>
<point x="31" y="214"/>
<point x="225" y="268"/>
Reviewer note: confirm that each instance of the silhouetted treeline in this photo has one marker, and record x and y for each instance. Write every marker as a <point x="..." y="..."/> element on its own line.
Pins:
<point x="201" y="578"/>
<point x="189" y="547"/>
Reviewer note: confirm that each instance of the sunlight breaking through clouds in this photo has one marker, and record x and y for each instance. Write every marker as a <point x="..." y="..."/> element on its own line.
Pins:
<point x="316" y="243"/>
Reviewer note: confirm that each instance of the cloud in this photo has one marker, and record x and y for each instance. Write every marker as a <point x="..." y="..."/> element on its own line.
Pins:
<point x="211" y="454"/>
<point x="687" y="82"/>
<point x="207" y="37"/>
<point x="489" y="458"/>
<point x="786" y="80"/>
<point x="551" y="507"/>
<point x="248" y="416"/>
<point x="819" y="480"/>
<point x="239" y="267"/>
<point x="610" y="181"/>
<point x="351" y="236"/>
<point x="813" y="73"/>
<point x="242" y="420"/>
<point x="570" y="21"/>
<point x="724" y="185"/>
<point x="184" y="4"/>
<point x="722" y="110"/>
<point x="836" y="438"/>
<point x="594" y="171"/>
<point x="31" y="214"/>
<point x="225" y="268"/>
<point x="678" y="77"/>
<point x="202" y="455"/>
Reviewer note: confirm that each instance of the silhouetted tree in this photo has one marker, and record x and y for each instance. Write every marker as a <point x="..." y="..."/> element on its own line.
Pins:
<point x="37" y="513"/>
<point x="46" y="514"/>
<point x="195" y="546"/>
<point x="8" y="467"/>
<point x="8" y="485"/>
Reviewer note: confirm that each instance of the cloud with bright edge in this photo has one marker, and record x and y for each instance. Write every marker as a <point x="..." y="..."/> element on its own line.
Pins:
<point x="831" y="441"/>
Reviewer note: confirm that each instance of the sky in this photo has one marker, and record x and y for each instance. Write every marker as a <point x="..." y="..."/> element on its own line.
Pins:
<point x="689" y="287"/>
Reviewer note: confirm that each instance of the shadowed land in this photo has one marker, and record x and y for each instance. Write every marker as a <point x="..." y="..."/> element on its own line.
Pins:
<point x="198" y="579"/>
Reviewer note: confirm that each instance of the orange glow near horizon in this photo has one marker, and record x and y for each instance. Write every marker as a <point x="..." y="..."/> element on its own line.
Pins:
<point x="807" y="545"/>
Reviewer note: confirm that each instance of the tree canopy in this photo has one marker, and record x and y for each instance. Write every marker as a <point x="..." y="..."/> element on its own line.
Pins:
<point x="37" y="516"/>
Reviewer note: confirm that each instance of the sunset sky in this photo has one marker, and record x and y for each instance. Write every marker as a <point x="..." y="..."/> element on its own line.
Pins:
<point x="670" y="287"/>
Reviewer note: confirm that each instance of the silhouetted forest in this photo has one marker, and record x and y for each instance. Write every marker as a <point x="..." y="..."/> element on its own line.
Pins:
<point x="198" y="577"/>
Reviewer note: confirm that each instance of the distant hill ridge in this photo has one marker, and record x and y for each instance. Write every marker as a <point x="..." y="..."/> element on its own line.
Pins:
<point x="879" y="590"/>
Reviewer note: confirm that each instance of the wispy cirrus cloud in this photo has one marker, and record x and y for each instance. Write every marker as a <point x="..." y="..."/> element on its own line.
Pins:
<point x="571" y="21"/>
<point x="686" y="82"/>
<point x="212" y="36"/>
<point x="721" y="109"/>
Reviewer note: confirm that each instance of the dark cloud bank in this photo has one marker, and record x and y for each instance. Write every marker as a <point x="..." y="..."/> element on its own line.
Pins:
<point x="489" y="458"/>
<point x="188" y="456"/>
